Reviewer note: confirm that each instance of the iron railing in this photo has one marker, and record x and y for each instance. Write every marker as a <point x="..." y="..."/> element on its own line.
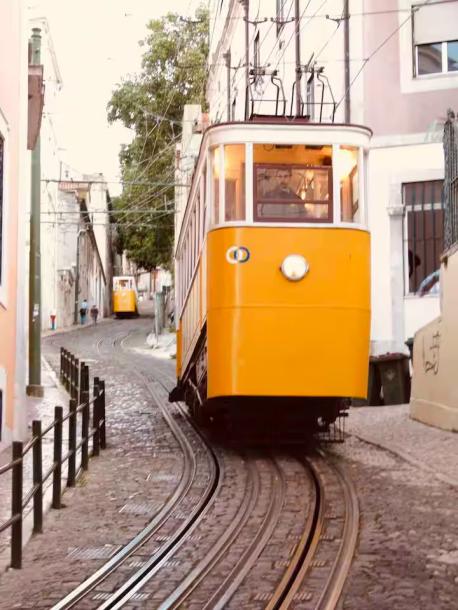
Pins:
<point x="74" y="375"/>
<point x="451" y="180"/>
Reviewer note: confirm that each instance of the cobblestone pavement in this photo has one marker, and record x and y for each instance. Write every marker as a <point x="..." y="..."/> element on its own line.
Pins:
<point x="407" y="554"/>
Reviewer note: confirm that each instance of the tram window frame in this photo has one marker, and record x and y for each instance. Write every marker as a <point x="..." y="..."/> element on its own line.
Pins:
<point x="293" y="219"/>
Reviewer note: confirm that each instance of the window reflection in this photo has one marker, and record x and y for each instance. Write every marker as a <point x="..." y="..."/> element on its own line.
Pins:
<point x="429" y="58"/>
<point x="349" y="184"/>
<point x="234" y="177"/>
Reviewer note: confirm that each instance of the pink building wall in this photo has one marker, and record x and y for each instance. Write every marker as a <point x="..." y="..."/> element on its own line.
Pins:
<point x="13" y="67"/>
<point x="387" y="110"/>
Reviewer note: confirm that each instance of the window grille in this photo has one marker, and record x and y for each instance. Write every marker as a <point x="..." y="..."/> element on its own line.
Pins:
<point x="451" y="180"/>
<point x="423" y="231"/>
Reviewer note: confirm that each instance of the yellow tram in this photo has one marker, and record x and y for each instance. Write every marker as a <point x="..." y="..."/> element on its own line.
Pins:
<point x="273" y="270"/>
<point x="125" y="300"/>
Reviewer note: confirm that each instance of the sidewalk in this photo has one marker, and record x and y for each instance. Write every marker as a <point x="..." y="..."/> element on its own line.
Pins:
<point x="43" y="409"/>
<point x="391" y="428"/>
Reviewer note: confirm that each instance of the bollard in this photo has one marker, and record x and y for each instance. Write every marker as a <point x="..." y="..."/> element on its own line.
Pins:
<point x="76" y="382"/>
<point x="37" y="478"/>
<point x="103" y="439"/>
<point x="96" y="418"/>
<point x="61" y="372"/>
<point x="79" y="397"/>
<point x="72" y="426"/>
<point x="57" y="472"/>
<point x="16" y="507"/>
<point x="71" y="375"/>
<point x="85" y="418"/>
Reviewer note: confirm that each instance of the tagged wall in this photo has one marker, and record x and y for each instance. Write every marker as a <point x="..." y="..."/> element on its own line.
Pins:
<point x="434" y="398"/>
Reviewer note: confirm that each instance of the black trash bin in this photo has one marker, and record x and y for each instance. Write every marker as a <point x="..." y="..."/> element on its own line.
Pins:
<point x="395" y="378"/>
<point x="374" y="389"/>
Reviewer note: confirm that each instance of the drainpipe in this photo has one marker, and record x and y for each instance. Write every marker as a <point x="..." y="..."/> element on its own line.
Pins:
<point x="346" y="18"/>
<point x="77" y="276"/>
<point x="297" y="33"/>
<point x="227" y="57"/>
<point x="34" y="387"/>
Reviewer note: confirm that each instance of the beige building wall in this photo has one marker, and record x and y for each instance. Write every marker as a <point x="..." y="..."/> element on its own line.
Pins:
<point x="434" y="398"/>
<point x="13" y="113"/>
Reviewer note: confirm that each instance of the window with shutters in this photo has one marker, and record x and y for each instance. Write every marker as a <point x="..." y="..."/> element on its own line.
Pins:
<point x="435" y="37"/>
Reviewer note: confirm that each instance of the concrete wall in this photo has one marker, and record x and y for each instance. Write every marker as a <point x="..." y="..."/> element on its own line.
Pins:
<point x="434" y="398"/>
<point x="13" y="129"/>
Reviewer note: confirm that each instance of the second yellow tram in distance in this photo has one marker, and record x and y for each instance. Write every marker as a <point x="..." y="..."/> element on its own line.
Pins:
<point x="273" y="271"/>
<point x="125" y="301"/>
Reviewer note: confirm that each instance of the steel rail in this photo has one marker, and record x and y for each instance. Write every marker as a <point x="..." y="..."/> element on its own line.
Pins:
<point x="188" y="475"/>
<point x="298" y="570"/>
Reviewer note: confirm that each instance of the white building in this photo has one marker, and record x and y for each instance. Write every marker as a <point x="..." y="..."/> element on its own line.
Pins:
<point x="392" y="66"/>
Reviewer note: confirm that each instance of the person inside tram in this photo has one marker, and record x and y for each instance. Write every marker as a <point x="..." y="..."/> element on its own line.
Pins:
<point x="282" y="189"/>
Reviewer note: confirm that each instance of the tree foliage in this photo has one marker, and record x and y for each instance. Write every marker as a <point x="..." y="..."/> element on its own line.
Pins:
<point x="151" y="104"/>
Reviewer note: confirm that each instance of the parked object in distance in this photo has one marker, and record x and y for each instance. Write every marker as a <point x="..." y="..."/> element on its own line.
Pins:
<point x="125" y="299"/>
<point x="273" y="272"/>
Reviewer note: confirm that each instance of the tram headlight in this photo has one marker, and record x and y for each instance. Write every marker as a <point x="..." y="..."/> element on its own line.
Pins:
<point x="294" y="267"/>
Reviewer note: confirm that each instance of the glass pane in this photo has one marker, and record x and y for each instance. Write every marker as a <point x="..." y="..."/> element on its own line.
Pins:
<point x="234" y="176"/>
<point x="349" y="184"/>
<point x="215" y="184"/>
<point x="292" y="183"/>
<point x="452" y="56"/>
<point x="429" y="58"/>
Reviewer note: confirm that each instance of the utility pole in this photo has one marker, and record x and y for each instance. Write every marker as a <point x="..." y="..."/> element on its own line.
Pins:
<point x="297" y="31"/>
<point x="35" y="388"/>
<point x="246" y="13"/>
<point x="346" y="18"/>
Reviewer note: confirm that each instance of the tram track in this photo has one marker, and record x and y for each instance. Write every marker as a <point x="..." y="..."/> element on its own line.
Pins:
<point x="91" y="584"/>
<point x="316" y="571"/>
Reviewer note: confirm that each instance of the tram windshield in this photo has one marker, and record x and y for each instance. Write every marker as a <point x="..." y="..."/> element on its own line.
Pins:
<point x="292" y="183"/>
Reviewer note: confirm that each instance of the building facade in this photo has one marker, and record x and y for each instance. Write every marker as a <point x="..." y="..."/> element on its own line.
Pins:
<point x="14" y="189"/>
<point x="391" y="66"/>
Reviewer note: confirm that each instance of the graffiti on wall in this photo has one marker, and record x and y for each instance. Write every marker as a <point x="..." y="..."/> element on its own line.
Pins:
<point x="431" y="352"/>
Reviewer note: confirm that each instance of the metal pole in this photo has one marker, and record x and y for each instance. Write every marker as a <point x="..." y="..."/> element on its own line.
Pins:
<point x="16" y="506"/>
<point x="96" y="418"/>
<point x="297" y="33"/>
<point x="103" y="438"/>
<point x="346" y="18"/>
<point x="85" y="417"/>
<point x="35" y="388"/>
<point x="72" y="426"/>
<point x="246" y="8"/>
<point x="57" y="474"/>
<point x="37" y="478"/>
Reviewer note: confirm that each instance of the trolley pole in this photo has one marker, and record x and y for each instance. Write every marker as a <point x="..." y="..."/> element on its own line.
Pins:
<point x="35" y="388"/>
<point x="297" y="32"/>
<point x="346" y="17"/>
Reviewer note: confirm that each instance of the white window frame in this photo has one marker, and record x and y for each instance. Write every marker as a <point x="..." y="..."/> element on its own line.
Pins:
<point x="4" y="133"/>
<point x="410" y="83"/>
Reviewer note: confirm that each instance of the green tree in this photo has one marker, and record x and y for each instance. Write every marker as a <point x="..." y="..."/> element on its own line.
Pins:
<point x="173" y="74"/>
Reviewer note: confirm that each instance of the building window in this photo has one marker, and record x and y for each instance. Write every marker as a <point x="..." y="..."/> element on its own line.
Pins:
<point x="2" y="148"/>
<point x="424" y="235"/>
<point x="435" y="38"/>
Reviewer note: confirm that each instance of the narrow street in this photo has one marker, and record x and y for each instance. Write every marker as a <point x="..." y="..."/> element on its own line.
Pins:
<point x="251" y="508"/>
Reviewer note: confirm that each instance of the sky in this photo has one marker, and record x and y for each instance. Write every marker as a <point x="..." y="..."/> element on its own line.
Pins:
<point x="96" y="46"/>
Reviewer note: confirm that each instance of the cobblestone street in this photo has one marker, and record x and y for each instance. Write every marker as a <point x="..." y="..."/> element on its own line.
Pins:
<point x="407" y="553"/>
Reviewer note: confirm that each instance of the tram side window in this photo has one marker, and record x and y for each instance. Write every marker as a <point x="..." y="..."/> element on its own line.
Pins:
<point x="292" y="183"/>
<point x="215" y="184"/>
<point x="234" y="181"/>
<point x="349" y="184"/>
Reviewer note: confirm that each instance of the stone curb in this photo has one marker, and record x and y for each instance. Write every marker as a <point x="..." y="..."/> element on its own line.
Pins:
<point x="407" y="457"/>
